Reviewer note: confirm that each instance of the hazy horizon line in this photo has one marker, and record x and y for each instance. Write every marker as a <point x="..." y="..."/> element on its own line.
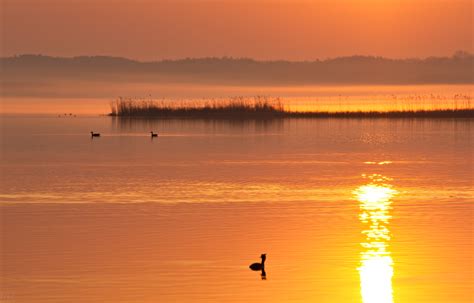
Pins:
<point x="456" y="54"/>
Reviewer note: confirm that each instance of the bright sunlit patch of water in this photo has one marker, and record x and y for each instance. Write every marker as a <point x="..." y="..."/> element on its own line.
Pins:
<point x="376" y="267"/>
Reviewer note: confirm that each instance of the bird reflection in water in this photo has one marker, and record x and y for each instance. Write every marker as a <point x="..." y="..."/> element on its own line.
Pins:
<point x="260" y="267"/>
<point x="376" y="264"/>
<point x="263" y="274"/>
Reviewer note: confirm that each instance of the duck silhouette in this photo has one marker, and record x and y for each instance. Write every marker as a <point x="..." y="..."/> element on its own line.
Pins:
<point x="153" y="135"/>
<point x="259" y="266"/>
<point x="94" y="134"/>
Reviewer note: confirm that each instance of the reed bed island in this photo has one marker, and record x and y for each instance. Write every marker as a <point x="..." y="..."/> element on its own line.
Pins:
<point x="276" y="108"/>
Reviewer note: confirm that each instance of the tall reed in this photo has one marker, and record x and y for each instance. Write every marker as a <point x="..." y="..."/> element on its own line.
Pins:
<point x="267" y="107"/>
<point x="232" y="107"/>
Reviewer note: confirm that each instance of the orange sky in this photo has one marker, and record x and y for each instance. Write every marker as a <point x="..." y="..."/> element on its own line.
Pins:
<point x="261" y="29"/>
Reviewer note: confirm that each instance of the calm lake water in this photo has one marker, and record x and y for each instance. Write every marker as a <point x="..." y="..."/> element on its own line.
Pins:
<point x="369" y="211"/>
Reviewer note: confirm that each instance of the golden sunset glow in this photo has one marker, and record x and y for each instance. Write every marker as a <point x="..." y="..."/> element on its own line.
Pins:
<point x="376" y="267"/>
<point x="259" y="29"/>
<point x="208" y="151"/>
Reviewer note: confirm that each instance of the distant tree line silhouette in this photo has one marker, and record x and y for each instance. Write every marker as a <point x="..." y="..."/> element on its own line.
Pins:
<point x="456" y="69"/>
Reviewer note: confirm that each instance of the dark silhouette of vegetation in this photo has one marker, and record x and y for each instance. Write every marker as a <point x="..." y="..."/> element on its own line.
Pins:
<point x="258" y="108"/>
<point x="358" y="70"/>
<point x="238" y="107"/>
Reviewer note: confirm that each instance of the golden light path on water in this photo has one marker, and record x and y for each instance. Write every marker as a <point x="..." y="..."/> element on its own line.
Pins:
<point x="376" y="265"/>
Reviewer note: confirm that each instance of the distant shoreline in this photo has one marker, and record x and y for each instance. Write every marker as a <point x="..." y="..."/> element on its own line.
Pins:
<point x="350" y="70"/>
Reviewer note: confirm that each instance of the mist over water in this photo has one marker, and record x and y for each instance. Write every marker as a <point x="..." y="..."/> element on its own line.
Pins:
<point x="83" y="98"/>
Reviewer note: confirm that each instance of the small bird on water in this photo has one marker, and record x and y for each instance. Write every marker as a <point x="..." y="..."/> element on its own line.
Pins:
<point x="95" y="134"/>
<point x="153" y="135"/>
<point x="259" y="266"/>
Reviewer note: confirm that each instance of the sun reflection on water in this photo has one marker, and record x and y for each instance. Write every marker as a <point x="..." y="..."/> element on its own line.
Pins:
<point x="376" y="267"/>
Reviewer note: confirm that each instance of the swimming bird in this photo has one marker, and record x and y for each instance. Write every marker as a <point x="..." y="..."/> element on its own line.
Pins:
<point x="94" y="134"/>
<point x="259" y="266"/>
<point x="153" y="134"/>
